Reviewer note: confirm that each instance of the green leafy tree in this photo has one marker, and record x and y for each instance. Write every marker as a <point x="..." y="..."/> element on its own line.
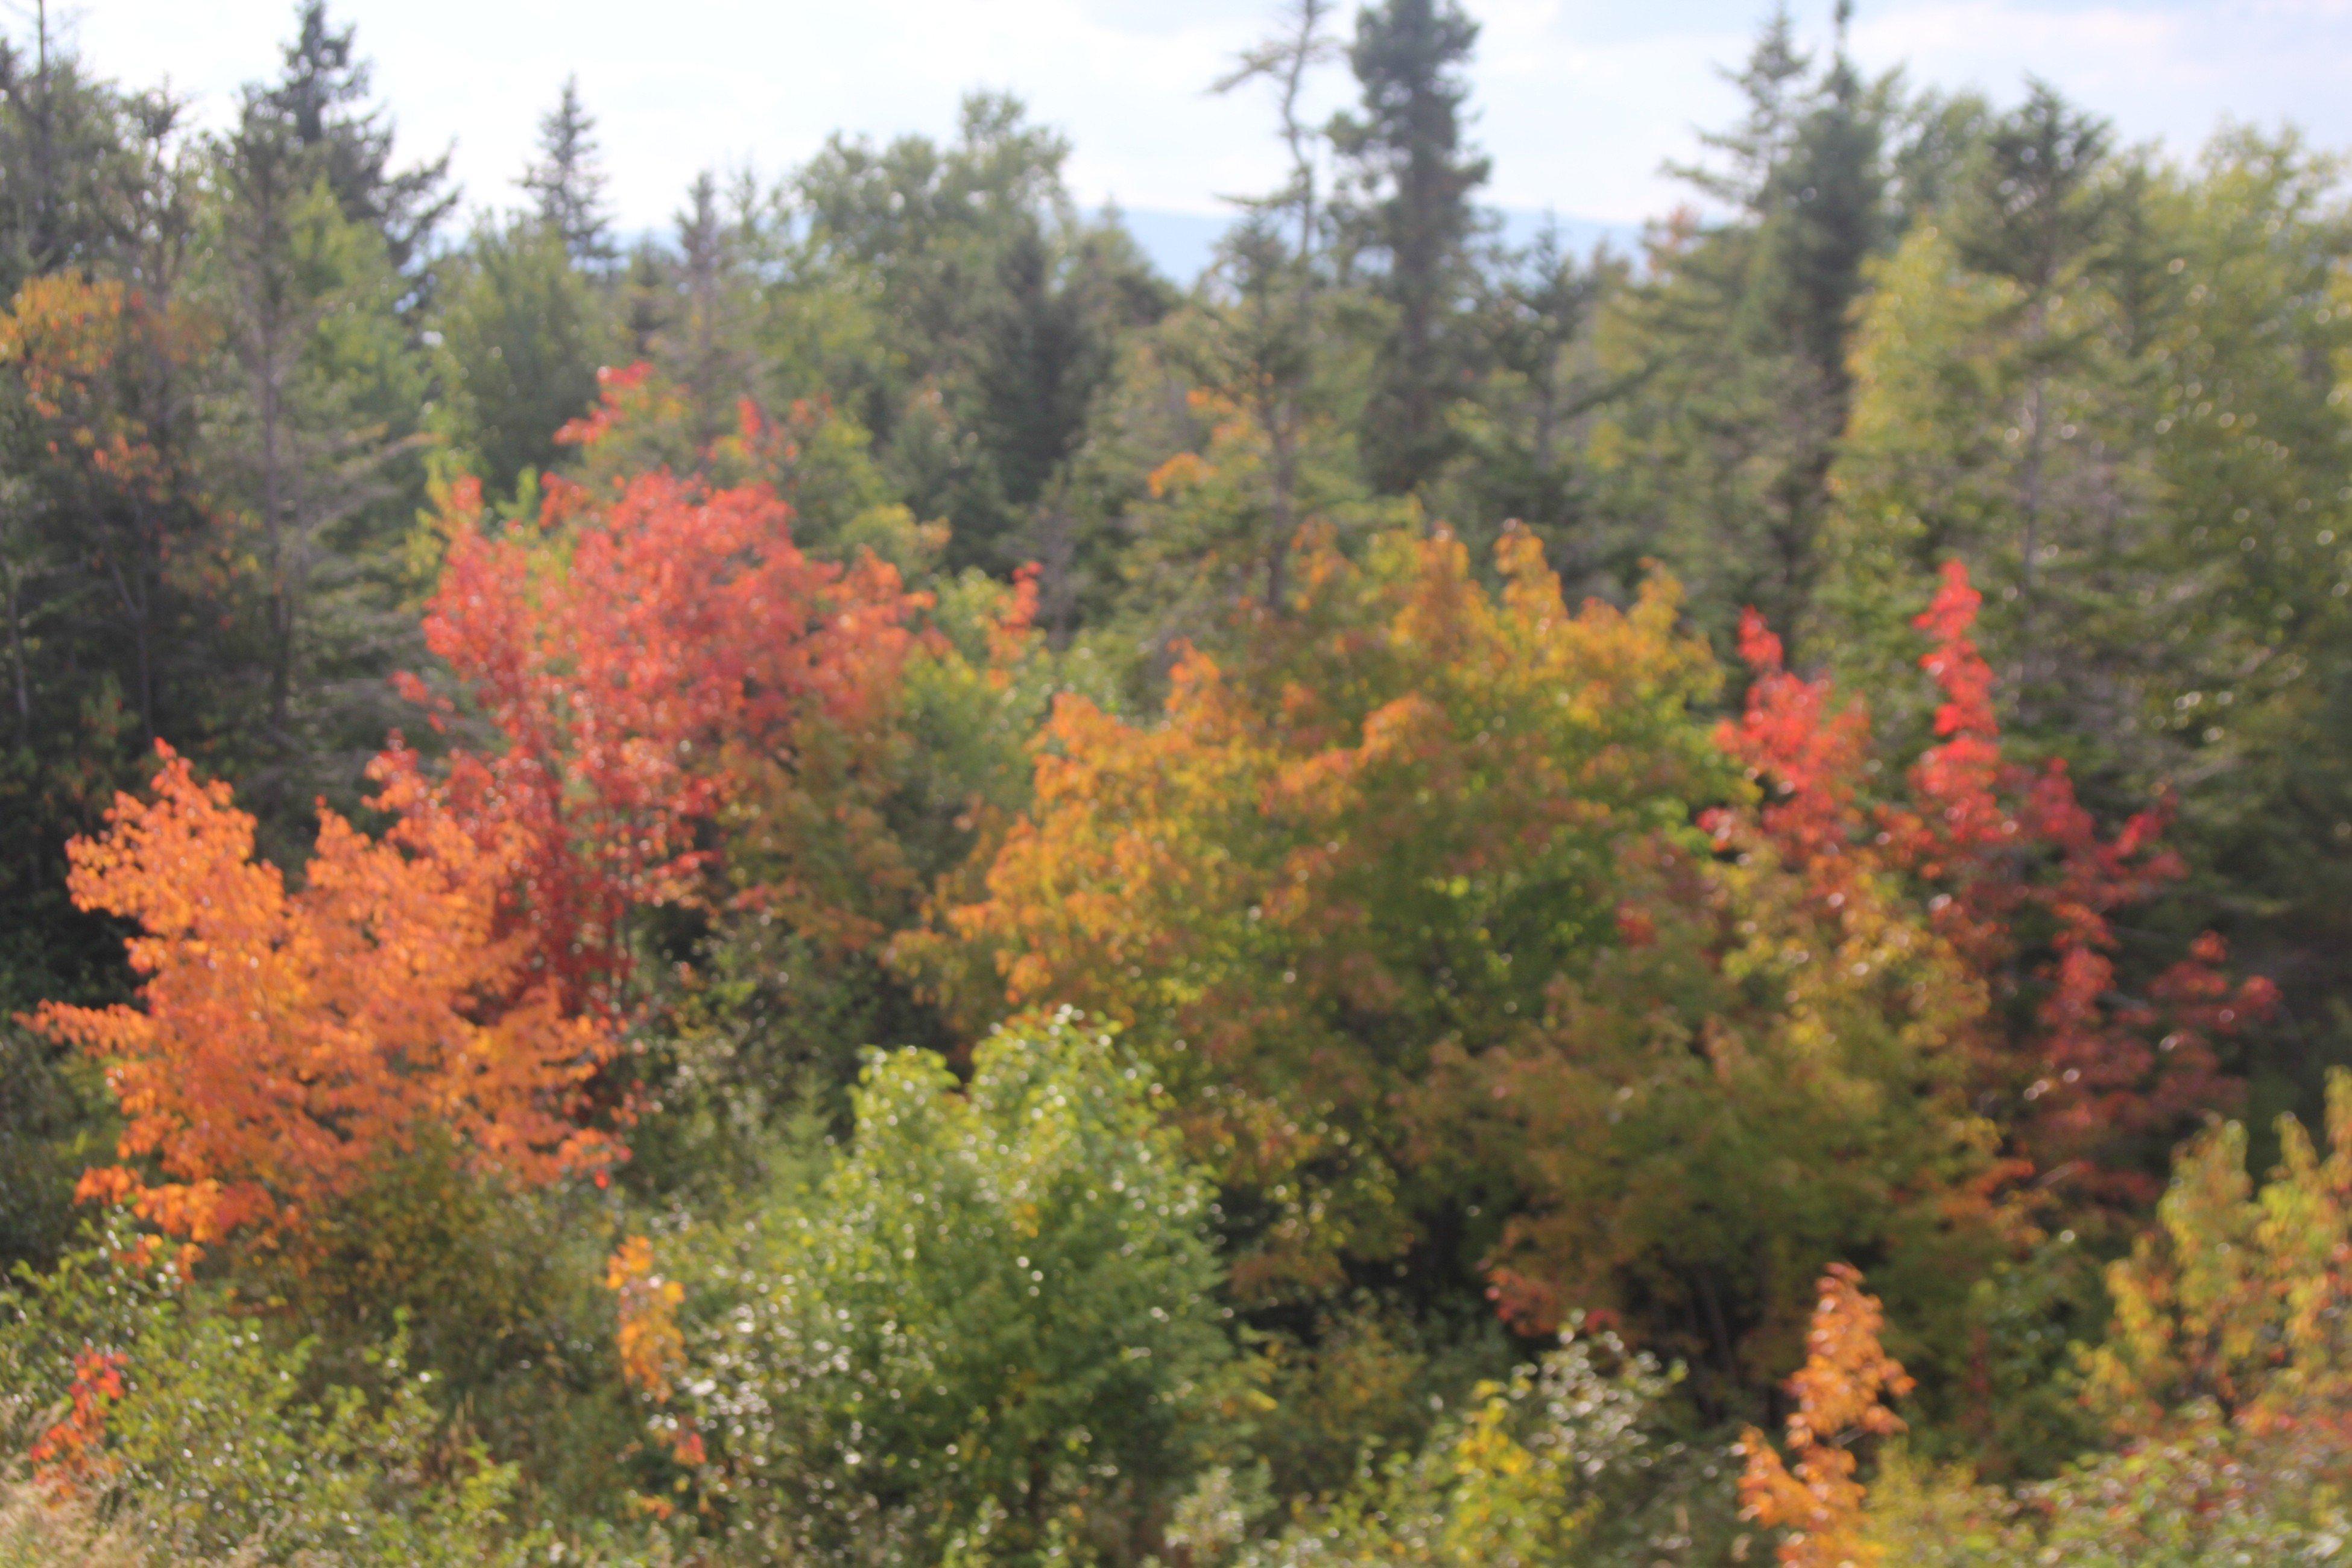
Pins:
<point x="522" y="333"/>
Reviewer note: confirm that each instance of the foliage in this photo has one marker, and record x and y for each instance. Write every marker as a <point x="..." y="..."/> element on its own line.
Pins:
<point x="2221" y="1375"/>
<point x="2238" y="1296"/>
<point x="2204" y="1495"/>
<point x="287" y="1041"/>
<point x="991" y="1327"/>
<point x="216" y="1439"/>
<point x="875" y="604"/>
<point x="1839" y="1396"/>
<point x="646" y="658"/>
<point x="1385" y="827"/>
<point x="1528" y="1471"/>
<point x="2024" y="889"/>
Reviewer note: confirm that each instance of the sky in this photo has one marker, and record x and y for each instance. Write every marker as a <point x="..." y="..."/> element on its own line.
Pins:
<point x="1578" y="102"/>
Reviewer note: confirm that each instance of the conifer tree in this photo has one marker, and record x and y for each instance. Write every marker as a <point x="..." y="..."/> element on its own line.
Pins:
<point x="1412" y="176"/>
<point x="567" y="183"/>
<point x="321" y="98"/>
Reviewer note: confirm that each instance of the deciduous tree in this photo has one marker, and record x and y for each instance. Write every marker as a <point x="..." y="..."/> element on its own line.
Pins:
<point x="286" y="1041"/>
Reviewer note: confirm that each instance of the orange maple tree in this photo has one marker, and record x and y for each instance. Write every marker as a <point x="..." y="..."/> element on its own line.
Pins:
<point x="285" y="1040"/>
<point x="1839" y="1395"/>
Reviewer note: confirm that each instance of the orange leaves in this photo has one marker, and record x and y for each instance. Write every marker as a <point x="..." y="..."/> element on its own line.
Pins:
<point x="645" y="660"/>
<point x="69" y="1456"/>
<point x="284" y="1041"/>
<point x="1838" y="1393"/>
<point x="642" y="659"/>
<point x="84" y="350"/>
<point x="652" y="1349"/>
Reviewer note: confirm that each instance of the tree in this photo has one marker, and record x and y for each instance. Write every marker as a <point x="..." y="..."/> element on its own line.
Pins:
<point x="68" y="157"/>
<point x="100" y="370"/>
<point x="1273" y="318"/>
<point x="644" y="660"/>
<point x="703" y="343"/>
<point x="1305" y="881"/>
<point x="287" y="1042"/>
<point x="311" y="407"/>
<point x="991" y="1329"/>
<point x="1535" y="316"/>
<point x="523" y="333"/>
<point x="319" y="99"/>
<point x="2237" y="1296"/>
<point x="2222" y="1377"/>
<point x="2024" y="886"/>
<point x="1734" y="349"/>
<point x="1839" y="1395"/>
<point x="1412" y="178"/>
<point x="567" y="183"/>
<point x="1005" y="304"/>
<point x="2099" y="383"/>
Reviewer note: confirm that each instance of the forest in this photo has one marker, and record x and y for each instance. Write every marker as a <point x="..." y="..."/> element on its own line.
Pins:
<point x="859" y="883"/>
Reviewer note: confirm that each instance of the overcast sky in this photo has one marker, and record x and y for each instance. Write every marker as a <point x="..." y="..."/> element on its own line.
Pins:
<point x="1578" y="100"/>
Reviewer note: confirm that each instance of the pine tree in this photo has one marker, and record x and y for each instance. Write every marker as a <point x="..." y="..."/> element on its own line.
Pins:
<point x="1412" y="178"/>
<point x="321" y="96"/>
<point x="311" y="399"/>
<point x="1738" y="340"/>
<point x="567" y="183"/>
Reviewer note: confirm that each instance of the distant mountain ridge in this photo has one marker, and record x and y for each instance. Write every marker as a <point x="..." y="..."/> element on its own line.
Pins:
<point x="1181" y="243"/>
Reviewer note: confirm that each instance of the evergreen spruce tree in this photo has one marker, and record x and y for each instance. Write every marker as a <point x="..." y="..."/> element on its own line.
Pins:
<point x="567" y="183"/>
<point x="321" y="98"/>
<point x="1412" y="176"/>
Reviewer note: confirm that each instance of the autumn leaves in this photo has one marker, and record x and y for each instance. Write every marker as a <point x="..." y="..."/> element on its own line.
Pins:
<point x="1471" y="943"/>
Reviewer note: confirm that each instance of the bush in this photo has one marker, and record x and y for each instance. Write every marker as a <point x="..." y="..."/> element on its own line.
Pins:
<point x="1566" y="1461"/>
<point x="137" y="1390"/>
<point x="991" y="1328"/>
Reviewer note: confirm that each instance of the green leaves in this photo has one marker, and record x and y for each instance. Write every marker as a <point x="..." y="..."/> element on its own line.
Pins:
<point x="994" y="1317"/>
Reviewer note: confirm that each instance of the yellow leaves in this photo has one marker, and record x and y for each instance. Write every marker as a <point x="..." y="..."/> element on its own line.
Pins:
<point x="1506" y="1502"/>
<point x="1838" y="1393"/>
<point x="2240" y="1296"/>
<point x="1179" y="472"/>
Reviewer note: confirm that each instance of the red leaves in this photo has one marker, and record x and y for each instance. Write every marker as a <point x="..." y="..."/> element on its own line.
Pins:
<point x="636" y="656"/>
<point x="68" y="1457"/>
<point x="1808" y="750"/>
<point x="2019" y="880"/>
